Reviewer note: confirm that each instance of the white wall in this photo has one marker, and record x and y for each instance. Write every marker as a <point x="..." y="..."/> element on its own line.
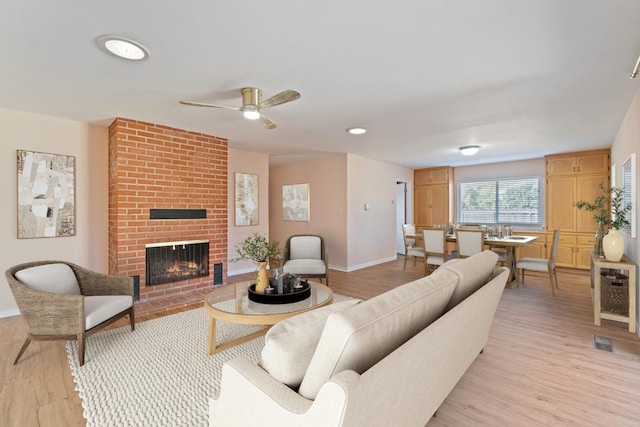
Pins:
<point x="627" y="141"/>
<point x="371" y="233"/>
<point x="89" y="145"/>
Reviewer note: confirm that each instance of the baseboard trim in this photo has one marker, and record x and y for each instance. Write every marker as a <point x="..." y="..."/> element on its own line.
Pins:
<point x="361" y="266"/>
<point x="9" y="313"/>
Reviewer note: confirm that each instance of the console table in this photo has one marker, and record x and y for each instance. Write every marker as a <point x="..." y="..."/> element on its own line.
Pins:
<point x="597" y="264"/>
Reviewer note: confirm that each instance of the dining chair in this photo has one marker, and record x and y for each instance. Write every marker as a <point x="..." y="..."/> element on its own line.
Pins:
<point x="544" y="265"/>
<point x="435" y="248"/>
<point x="410" y="248"/>
<point x="469" y="242"/>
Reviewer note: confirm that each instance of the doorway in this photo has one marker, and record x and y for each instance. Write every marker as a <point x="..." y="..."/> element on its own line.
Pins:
<point x="401" y="214"/>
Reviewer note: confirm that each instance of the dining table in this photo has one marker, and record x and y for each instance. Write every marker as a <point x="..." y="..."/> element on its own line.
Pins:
<point x="509" y="243"/>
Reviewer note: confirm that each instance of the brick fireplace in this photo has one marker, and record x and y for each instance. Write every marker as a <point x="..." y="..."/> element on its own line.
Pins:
<point x="154" y="168"/>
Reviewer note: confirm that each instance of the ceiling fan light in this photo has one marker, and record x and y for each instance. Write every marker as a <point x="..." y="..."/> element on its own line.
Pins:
<point x="469" y="150"/>
<point x="251" y="112"/>
<point x="357" y="131"/>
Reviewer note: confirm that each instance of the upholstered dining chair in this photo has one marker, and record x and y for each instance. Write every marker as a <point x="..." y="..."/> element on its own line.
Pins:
<point x="410" y="248"/>
<point x="469" y="242"/>
<point x="543" y="265"/>
<point x="306" y="256"/>
<point x="435" y="248"/>
<point x="63" y="301"/>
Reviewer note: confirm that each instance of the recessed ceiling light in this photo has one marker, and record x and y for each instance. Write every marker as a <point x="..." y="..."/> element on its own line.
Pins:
<point x="469" y="150"/>
<point x="357" y="131"/>
<point x="123" y="47"/>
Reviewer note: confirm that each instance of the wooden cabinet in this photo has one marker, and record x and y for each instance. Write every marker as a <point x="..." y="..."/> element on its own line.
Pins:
<point x="586" y="162"/>
<point x="570" y="178"/>
<point x="535" y="249"/>
<point x="432" y="196"/>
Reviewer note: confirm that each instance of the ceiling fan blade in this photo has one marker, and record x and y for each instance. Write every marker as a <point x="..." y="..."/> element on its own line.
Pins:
<point x="267" y="122"/>
<point x="280" y="98"/>
<point x="202" y="104"/>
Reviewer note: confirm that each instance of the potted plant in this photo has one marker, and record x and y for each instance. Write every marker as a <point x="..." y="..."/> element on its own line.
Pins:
<point x="259" y="250"/>
<point x="608" y="212"/>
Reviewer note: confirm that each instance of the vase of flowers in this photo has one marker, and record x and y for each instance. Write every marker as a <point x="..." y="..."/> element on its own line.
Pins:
<point x="609" y="212"/>
<point x="258" y="249"/>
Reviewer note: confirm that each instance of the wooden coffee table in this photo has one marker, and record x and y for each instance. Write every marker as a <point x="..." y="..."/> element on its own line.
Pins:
<point x="246" y="312"/>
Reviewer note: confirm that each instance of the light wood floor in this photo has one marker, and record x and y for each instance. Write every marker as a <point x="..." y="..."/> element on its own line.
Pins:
<point x="539" y="368"/>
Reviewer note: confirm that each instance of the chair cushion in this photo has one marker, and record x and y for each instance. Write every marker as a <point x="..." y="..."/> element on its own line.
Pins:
<point x="472" y="273"/>
<point x="304" y="266"/>
<point x="534" y="264"/>
<point x="289" y="345"/>
<point x="97" y="309"/>
<point x="305" y="247"/>
<point x="364" y="334"/>
<point x="419" y="252"/>
<point x="56" y="278"/>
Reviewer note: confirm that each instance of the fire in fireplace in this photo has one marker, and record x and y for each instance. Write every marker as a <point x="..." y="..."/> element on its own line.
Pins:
<point x="174" y="261"/>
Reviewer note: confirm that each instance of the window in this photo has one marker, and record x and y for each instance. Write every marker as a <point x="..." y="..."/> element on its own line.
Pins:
<point x="514" y="200"/>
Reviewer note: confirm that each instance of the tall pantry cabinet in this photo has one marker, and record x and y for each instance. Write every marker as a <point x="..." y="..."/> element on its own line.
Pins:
<point x="572" y="177"/>
<point x="432" y="196"/>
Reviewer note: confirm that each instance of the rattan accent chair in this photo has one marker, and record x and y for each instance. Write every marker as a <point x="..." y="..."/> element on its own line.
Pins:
<point x="63" y="301"/>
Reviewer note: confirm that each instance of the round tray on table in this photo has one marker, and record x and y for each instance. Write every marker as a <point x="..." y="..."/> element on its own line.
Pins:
<point x="285" y="298"/>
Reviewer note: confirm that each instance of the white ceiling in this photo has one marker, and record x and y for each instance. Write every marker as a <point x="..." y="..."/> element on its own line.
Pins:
<point x="521" y="78"/>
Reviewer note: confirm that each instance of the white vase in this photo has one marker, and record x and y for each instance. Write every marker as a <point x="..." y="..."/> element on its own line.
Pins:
<point x="613" y="246"/>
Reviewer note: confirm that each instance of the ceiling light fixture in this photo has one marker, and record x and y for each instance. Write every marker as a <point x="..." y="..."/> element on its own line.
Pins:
<point x="357" y="131"/>
<point x="250" y="112"/>
<point x="469" y="150"/>
<point x="123" y="47"/>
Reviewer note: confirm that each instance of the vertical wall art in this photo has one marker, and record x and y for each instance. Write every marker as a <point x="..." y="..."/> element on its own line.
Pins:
<point x="295" y="202"/>
<point x="629" y="192"/>
<point x="46" y="195"/>
<point x="246" y="199"/>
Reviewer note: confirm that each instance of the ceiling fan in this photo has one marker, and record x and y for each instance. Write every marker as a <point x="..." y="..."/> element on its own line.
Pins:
<point x="251" y="105"/>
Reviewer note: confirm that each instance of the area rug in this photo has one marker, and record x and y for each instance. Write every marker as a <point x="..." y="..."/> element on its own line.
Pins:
<point x="158" y="375"/>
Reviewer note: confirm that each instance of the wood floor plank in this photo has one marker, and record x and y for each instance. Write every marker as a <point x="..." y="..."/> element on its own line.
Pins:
<point x="538" y="369"/>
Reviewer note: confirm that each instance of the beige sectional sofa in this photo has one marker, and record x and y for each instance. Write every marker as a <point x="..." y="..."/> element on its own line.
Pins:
<point x="387" y="361"/>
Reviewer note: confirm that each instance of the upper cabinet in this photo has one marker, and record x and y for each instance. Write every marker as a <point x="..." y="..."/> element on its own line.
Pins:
<point x="586" y="162"/>
<point x="433" y="196"/>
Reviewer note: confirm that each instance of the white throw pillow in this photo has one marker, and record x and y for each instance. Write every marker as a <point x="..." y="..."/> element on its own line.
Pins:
<point x="289" y="344"/>
<point x="56" y="278"/>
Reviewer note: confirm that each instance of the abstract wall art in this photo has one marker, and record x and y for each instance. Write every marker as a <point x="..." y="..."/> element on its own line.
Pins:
<point x="295" y="202"/>
<point x="246" y="199"/>
<point x="46" y="195"/>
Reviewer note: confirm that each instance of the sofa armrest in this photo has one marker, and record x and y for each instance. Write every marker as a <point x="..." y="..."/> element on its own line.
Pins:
<point x="250" y="396"/>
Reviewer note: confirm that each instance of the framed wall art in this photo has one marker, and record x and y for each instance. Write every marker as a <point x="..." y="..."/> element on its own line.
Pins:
<point x="295" y="202"/>
<point x="246" y="206"/>
<point x="46" y="195"/>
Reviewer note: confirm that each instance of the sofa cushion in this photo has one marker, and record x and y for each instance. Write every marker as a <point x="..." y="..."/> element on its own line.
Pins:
<point x="289" y="344"/>
<point x="472" y="273"/>
<point x="305" y="247"/>
<point x="304" y="266"/>
<point x="361" y="336"/>
<point x="57" y="278"/>
<point x="97" y="309"/>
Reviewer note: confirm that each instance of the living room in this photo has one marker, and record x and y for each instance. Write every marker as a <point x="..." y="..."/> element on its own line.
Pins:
<point x="343" y="176"/>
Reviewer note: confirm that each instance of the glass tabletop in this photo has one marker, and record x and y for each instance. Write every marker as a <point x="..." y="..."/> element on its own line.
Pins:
<point x="241" y="304"/>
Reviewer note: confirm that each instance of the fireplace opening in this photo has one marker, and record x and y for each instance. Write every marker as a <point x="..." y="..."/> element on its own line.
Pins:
<point x="174" y="261"/>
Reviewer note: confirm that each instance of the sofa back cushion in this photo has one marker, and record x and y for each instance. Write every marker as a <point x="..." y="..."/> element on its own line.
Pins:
<point x="289" y="344"/>
<point x="360" y="336"/>
<point x="305" y="247"/>
<point x="57" y="278"/>
<point x="472" y="272"/>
